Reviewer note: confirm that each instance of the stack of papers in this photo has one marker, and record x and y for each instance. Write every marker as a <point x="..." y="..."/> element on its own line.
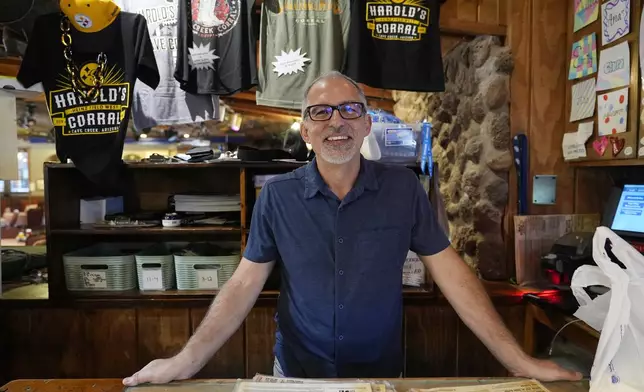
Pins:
<point x="375" y="386"/>
<point x="253" y="386"/>
<point x="207" y="203"/>
<point x="513" y="386"/>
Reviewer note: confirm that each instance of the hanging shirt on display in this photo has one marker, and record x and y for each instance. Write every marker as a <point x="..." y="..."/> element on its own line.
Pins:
<point x="216" y="47"/>
<point x="90" y="130"/>
<point x="395" y="45"/>
<point x="299" y="41"/>
<point x="168" y="104"/>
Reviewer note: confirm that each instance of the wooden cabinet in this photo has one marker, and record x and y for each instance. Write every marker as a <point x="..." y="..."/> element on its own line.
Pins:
<point x="115" y="338"/>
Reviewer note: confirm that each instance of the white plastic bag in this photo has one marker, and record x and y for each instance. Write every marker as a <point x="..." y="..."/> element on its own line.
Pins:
<point x="619" y="313"/>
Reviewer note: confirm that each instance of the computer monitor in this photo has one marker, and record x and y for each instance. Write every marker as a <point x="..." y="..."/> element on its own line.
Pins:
<point x="624" y="212"/>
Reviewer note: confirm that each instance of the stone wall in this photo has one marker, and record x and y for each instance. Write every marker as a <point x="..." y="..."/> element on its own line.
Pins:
<point x="472" y="147"/>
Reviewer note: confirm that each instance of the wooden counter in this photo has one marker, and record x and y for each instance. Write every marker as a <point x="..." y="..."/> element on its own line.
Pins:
<point x="101" y="337"/>
<point x="114" y="385"/>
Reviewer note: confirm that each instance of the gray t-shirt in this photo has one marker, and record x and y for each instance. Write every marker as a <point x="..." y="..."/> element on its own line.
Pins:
<point x="168" y="104"/>
<point x="298" y="42"/>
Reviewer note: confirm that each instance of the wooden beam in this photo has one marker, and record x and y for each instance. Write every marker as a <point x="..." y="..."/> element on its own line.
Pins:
<point x="9" y="66"/>
<point x="467" y="28"/>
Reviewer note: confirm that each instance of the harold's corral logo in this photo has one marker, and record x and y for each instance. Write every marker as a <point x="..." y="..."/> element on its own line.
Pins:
<point x="214" y="18"/>
<point x="398" y="20"/>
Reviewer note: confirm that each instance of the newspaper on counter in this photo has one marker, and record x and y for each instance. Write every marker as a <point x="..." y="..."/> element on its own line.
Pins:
<point x="513" y="386"/>
<point x="376" y="386"/>
<point x="253" y="386"/>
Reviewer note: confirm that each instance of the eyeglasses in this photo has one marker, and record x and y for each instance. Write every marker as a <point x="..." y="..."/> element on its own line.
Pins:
<point x="347" y="110"/>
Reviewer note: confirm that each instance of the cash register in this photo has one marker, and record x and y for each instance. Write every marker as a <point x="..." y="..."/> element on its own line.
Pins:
<point x="623" y="214"/>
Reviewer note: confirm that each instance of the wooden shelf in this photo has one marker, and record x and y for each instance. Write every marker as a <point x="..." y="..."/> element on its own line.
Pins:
<point x="141" y="231"/>
<point x="608" y="163"/>
<point x="181" y="165"/>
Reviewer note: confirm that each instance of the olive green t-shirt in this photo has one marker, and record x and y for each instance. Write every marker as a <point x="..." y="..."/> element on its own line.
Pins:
<point x="299" y="40"/>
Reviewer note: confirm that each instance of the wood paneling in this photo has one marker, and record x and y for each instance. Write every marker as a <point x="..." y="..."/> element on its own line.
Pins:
<point x="116" y="342"/>
<point x="431" y="341"/>
<point x="111" y="342"/>
<point x="161" y="333"/>
<point x="484" y="12"/>
<point x="519" y="41"/>
<point x="260" y="339"/>
<point x="547" y="106"/>
<point x="228" y="361"/>
<point x="469" y="346"/>
<point x="438" y="344"/>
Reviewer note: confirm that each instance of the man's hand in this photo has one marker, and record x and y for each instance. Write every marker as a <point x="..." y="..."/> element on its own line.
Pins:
<point x="544" y="370"/>
<point x="161" y="371"/>
<point x="468" y="297"/>
<point x="225" y="315"/>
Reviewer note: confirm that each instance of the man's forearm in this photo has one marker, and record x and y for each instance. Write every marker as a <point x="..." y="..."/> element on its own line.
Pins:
<point x="225" y="315"/>
<point x="468" y="296"/>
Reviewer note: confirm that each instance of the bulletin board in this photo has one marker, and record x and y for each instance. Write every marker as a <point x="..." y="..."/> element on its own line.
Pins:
<point x="603" y="81"/>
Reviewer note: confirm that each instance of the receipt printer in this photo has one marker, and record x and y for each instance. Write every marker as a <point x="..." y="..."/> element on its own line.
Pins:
<point x="566" y="255"/>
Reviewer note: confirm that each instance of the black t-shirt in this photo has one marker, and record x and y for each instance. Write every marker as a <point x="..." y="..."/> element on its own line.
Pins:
<point x="395" y="45"/>
<point x="92" y="133"/>
<point x="216" y="50"/>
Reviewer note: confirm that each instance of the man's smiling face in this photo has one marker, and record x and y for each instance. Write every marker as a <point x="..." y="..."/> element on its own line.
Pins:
<point x="336" y="140"/>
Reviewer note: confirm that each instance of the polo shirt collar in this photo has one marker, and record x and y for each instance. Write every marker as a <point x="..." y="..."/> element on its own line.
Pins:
<point x="314" y="183"/>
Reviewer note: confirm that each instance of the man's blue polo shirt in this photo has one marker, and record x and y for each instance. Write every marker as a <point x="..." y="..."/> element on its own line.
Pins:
<point x="340" y="311"/>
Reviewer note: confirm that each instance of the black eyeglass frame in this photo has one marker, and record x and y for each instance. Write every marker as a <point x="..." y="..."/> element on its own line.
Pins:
<point x="307" y="112"/>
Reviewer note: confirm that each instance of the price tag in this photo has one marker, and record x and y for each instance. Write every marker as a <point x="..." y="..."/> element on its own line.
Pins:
<point x="93" y="279"/>
<point x="152" y="279"/>
<point x="208" y="279"/>
<point x="413" y="270"/>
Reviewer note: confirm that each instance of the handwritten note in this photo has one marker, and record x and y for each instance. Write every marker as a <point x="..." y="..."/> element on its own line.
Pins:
<point x="152" y="279"/>
<point x="94" y="279"/>
<point x="612" y="112"/>
<point x="583" y="57"/>
<point x="208" y="279"/>
<point x="586" y="12"/>
<point x="583" y="100"/>
<point x="614" y="67"/>
<point x="584" y="131"/>
<point x="616" y="20"/>
<point x="571" y="147"/>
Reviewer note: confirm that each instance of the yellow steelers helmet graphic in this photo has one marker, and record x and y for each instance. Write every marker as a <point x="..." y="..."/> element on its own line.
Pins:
<point x="90" y="16"/>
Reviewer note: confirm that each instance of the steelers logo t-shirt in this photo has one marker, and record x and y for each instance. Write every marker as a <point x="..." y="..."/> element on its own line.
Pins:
<point x="90" y="132"/>
<point x="395" y="44"/>
<point x="217" y="46"/>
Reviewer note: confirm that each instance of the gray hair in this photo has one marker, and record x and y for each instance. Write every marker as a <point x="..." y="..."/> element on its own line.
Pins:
<point x="332" y="75"/>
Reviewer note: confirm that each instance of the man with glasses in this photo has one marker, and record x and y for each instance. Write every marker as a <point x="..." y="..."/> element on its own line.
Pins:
<point x="340" y="227"/>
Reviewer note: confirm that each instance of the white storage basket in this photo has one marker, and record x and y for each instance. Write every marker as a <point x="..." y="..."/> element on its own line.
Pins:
<point x="102" y="267"/>
<point x="205" y="272"/>
<point x="155" y="268"/>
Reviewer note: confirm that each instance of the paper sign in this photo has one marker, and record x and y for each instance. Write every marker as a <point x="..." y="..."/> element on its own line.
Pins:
<point x="616" y="20"/>
<point x="583" y="57"/>
<point x="93" y="279"/>
<point x="152" y="279"/>
<point x="290" y="62"/>
<point x="586" y="12"/>
<point x="583" y="100"/>
<point x="612" y="112"/>
<point x="614" y="67"/>
<point x="208" y="279"/>
<point x="571" y="147"/>
<point x="585" y="131"/>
